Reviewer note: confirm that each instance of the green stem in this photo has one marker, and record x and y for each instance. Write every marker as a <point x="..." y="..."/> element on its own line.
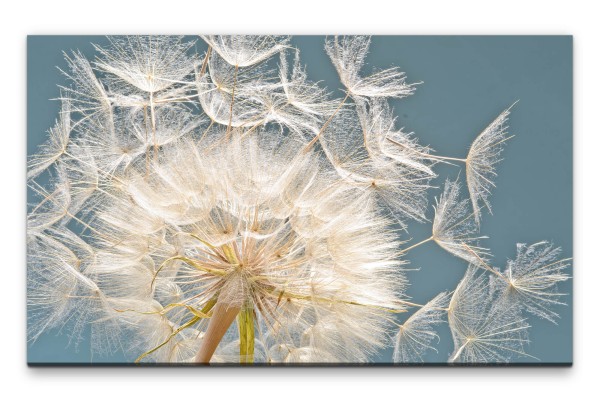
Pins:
<point x="245" y="322"/>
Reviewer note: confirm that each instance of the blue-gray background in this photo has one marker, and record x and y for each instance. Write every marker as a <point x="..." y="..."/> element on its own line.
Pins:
<point x="467" y="82"/>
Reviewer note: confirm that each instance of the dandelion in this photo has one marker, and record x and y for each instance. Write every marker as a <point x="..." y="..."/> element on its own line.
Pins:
<point x="302" y="106"/>
<point x="224" y="209"/>
<point x="530" y="280"/>
<point x="87" y="94"/>
<point x="398" y="188"/>
<point x="52" y="209"/>
<point x="484" y="328"/>
<point x="219" y="88"/>
<point x="480" y="162"/>
<point x="246" y="50"/>
<point x="417" y="332"/>
<point x="60" y="293"/>
<point x="386" y="143"/>
<point x="56" y="146"/>
<point x="348" y="55"/>
<point x="149" y="63"/>
<point x="236" y="243"/>
<point x="454" y="225"/>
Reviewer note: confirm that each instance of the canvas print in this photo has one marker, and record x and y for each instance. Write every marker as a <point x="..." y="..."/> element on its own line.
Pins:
<point x="311" y="200"/>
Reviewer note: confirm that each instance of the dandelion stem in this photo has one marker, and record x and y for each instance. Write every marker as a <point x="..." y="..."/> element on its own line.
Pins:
<point x="459" y="351"/>
<point x="222" y="317"/>
<point x="411" y="304"/>
<point x="416" y="245"/>
<point x="260" y="122"/>
<point x="146" y="141"/>
<point x="153" y="122"/>
<point x="316" y="138"/>
<point x="205" y="62"/>
<point x="427" y="155"/>
<point x="484" y="265"/>
<point x="212" y="122"/>
<point x="232" y="100"/>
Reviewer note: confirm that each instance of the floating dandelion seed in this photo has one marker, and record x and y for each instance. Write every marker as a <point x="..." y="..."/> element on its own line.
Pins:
<point x="149" y="63"/>
<point x="56" y="146"/>
<point x="481" y="160"/>
<point x="386" y="143"/>
<point x="246" y="50"/>
<point x="348" y="55"/>
<point x="530" y="280"/>
<point x="218" y="209"/>
<point x="484" y="328"/>
<point x="416" y="334"/>
<point x="454" y="225"/>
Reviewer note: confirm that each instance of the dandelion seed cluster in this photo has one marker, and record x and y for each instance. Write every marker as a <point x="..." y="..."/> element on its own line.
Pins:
<point x="221" y="207"/>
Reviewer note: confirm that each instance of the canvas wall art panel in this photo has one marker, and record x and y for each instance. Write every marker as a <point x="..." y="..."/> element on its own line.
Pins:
<point x="311" y="200"/>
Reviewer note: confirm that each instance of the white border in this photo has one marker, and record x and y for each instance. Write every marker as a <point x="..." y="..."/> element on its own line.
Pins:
<point x="301" y="17"/>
